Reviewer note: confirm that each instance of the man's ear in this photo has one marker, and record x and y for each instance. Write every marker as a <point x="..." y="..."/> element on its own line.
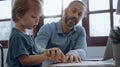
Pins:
<point x="66" y="9"/>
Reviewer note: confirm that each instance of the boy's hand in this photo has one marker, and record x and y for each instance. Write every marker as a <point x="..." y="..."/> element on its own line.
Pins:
<point x="55" y="54"/>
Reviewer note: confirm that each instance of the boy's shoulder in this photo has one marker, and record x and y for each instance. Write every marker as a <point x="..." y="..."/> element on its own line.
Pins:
<point x="16" y="33"/>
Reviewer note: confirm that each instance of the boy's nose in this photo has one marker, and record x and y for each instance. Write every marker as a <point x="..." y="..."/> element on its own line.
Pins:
<point x="37" y="20"/>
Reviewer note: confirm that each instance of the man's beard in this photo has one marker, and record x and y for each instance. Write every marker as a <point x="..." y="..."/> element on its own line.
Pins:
<point x="70" y="21"/>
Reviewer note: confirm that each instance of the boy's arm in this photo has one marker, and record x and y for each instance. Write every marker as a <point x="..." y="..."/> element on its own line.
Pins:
<point x="54" y="54"/>
<point x="32" y="59"/>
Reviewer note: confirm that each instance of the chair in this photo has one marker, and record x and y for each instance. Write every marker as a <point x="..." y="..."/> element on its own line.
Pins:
<point x="2" y="56"/>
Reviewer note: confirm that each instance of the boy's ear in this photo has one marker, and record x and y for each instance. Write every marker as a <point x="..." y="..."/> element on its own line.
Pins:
<point x="18" y="15"/>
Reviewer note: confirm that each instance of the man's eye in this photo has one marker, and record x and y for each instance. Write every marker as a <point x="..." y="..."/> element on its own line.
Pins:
<point x="79" y="14"/>
<point x="73" y="11"/>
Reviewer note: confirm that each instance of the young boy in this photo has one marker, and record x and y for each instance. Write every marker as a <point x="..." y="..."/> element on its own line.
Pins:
<point x="22" y="51"/>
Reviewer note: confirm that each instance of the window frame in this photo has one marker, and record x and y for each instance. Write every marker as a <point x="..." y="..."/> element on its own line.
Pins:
<point x="98" y="41"/>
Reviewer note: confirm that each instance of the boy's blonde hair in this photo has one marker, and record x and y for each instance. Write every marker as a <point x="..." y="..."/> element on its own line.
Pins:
<point x="20" y="7"/>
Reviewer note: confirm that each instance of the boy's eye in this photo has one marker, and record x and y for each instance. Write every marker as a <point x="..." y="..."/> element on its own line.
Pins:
<point x="34" y="17"/>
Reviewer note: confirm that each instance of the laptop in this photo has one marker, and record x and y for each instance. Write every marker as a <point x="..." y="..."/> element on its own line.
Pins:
<point x="108" y="54"/>
<point x="108" y="51"/>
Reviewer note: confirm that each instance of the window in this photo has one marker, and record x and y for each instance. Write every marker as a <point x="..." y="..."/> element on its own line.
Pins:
<point x="5" y="28"/>
<point x="5" y="15"/>
<point x="98" y="23"/>
<point x="51" y="11"/>
<point x="5" y="22"/>
<point x="96" y="5"/>
<point x="116" y="19"/>
<point x="101" y="19"/>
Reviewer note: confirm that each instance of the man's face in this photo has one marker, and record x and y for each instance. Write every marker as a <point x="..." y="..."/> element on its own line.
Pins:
<point x="73" y="14"/>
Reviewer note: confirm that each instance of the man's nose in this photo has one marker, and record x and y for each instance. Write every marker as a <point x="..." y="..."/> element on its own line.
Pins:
<point x="76" y="16"/>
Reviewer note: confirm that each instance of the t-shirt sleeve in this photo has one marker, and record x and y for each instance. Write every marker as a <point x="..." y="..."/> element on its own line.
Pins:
<point x="18" y="46"/>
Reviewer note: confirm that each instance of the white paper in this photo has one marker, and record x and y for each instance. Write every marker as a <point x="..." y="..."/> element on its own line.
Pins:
<point x="84" y="63"/>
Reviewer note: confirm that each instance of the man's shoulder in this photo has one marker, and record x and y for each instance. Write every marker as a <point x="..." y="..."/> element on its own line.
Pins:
<point x="79" y="27"/>
<point x="50" y="24"/>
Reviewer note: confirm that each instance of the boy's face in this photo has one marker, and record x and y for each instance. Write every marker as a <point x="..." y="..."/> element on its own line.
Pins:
<point x="30" y="19"/>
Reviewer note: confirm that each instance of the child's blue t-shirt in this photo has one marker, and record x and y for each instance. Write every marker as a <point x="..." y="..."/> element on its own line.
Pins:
<point x="20" y="44"/>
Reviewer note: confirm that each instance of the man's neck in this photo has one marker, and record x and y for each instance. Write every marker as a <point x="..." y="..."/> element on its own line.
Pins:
<point x="65" y="28"/>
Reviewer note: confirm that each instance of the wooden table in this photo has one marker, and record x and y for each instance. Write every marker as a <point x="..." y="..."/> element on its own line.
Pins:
<point x="85" y="64"/>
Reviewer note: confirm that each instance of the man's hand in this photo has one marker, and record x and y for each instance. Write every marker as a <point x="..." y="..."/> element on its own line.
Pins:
<point x="55" y="54"/>
<point x="71" y="57"/>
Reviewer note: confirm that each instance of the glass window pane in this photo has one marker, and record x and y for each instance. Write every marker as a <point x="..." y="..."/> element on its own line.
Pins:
<point x="115" y="4"/>
<point x="51" y="8"/>
<point x="66" y="3"/>
<point x="50" y="20"/>
<point x="5" y="9"/>
<point x="116" y="20"/>
<point x="98" y="5"/>
<point x="5" y="28"/>
<point x="99" y="24"/>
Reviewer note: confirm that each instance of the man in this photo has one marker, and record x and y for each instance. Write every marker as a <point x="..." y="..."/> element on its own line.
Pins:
<point x="65" y="34"/>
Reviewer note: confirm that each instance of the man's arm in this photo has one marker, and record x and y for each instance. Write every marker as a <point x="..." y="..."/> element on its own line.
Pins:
<point x="80" y="48"/>
<point x="43" y="37"/>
